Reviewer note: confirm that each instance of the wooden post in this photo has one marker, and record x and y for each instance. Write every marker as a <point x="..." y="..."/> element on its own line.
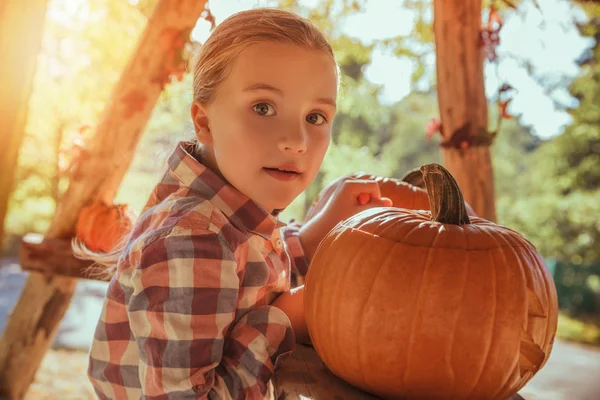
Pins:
<point x="43" y="302"/>
<point x="21" y="31"/>
<point x="462" y="101"/>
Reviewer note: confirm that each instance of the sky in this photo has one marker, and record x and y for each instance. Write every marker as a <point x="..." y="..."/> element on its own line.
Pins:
<point x="545" y="37"/>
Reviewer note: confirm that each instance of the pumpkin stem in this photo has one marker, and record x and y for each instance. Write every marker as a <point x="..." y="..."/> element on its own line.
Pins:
<point x="445" y="198"/>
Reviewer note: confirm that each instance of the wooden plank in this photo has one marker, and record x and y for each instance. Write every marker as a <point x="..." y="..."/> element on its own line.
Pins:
<point x="55" y="257"/>
<point x="304" y="376"/>
<point x="33" y="323"/>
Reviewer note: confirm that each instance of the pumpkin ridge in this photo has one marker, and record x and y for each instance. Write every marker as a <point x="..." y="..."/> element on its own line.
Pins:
<point x="335" y="297"/>
<point x="491" y="336"/>
<point x="415" y="313"/>
<point x="526" y="273"/>
<point x="362" y="320"/>
<point x="503" y="388"/>
<point x="458" y="314"/>
<point x="349" y="272"/>
<point x="379" y="236"/>
<point x="535" y="309"/>
<point x="528" y="287"/>
<point x="407" y="234"/>
<point x="506" y="388"/>
<point x="314" y="275"/>
<point x="523" y="259"/>
<point x="543" y="271"/>
<point x="531" y="355"/>
<point x="329" y="331"/>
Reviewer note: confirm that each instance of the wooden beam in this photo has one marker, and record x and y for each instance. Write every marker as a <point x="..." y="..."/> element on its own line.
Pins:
<point x="304" y="376"/>
<point x="55" y="257"/>
<point x="44" y="301"/>
<point x="21" y="31"/>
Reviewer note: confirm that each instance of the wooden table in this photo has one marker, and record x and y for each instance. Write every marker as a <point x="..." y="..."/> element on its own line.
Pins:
<point x="303" y="376"/>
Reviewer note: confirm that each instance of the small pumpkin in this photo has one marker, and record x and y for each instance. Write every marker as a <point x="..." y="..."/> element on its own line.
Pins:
<point x="402" y="194"/>
<point x="101" y="226"/>
<point x="436" y="305"/>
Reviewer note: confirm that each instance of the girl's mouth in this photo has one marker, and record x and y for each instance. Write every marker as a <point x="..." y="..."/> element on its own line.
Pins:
<point x="282" y="174"/>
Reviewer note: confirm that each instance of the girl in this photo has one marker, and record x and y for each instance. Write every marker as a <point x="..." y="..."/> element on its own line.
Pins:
<point x="200" y="305"/>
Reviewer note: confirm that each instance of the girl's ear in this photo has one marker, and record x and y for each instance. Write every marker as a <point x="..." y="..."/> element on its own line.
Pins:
<point x="201" y="125"/>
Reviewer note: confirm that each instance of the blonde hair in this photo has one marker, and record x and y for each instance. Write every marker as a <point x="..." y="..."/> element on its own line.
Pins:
<point x="236" y="33"/>
<point x="210" y="66"/>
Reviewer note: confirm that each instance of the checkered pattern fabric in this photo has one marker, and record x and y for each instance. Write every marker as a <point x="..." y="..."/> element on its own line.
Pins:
<point x="187" y="315"/>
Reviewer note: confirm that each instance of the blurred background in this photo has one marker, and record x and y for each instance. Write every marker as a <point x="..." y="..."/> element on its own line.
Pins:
<point x="546" y="156"/>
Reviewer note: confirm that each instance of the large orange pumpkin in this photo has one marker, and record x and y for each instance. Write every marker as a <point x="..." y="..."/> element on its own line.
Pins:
<point x="402" y="194"/>
<point x="101" y="226"/>
<point x="434" y="305"/>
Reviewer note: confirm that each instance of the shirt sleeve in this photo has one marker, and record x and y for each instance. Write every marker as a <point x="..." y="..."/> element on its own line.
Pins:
<point x="298" y="259"/>
<point x="182" y="312"/>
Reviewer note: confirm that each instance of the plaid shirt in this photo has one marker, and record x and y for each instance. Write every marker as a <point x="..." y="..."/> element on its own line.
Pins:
<point x="187" y="315"/>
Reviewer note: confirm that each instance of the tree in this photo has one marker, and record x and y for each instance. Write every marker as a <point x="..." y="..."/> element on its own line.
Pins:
<point x="462" y="101"/>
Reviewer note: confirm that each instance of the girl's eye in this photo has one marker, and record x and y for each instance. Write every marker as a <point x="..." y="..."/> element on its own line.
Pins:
<point x="316" y="119"/>
<point x="264" y="109"/>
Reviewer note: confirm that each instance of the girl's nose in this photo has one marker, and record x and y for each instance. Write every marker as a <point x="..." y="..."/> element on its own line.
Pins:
<point x="293" y="141"/>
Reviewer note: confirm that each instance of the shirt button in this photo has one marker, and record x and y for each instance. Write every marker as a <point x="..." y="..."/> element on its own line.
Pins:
<point x="278" y="243"/>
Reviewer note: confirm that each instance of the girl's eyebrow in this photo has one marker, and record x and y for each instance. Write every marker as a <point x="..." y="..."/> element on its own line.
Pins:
<point x="327" y="100"/>
<point x="265" y="86"/>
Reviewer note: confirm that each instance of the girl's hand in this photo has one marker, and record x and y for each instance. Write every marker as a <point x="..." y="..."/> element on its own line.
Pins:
<point x="292" y="304"/>
<point x="350" y="198"/>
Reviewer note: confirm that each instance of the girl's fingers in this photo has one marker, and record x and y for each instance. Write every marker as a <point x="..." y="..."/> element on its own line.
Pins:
<point x="366" y="192"/>
<point x="356" y="187"/>
<point x="386" y="202"/>
<point x="365" y="198"/>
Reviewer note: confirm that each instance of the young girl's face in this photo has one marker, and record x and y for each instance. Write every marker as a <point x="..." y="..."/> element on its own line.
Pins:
<point x="268" y="128"/>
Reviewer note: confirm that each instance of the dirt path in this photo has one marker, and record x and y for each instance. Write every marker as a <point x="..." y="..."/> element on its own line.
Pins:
<point x="572" y="373"/>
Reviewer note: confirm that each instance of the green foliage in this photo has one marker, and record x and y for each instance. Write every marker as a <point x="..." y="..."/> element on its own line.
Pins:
<point x="510" y="154"/>
<point x="578" y="288"/>
<point x="408" y="147"/>
<point x="556" y="199"/>
<point x="578" y="330"/>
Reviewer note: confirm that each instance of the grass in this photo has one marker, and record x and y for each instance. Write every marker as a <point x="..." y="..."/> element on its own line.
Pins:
<point x="577" y="330"/>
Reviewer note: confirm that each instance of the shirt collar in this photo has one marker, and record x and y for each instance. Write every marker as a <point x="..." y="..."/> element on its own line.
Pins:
<point x="239" y="209"/>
